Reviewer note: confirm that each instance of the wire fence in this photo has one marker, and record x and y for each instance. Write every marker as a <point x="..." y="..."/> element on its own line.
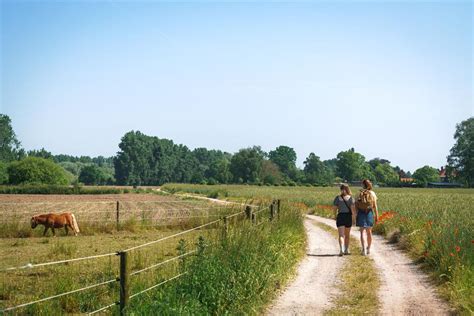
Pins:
<point x="124" y="274"/>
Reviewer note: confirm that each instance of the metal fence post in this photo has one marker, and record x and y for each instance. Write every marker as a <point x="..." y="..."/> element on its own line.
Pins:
<point x="118" y="215"/>
<point x="124" y="291"/>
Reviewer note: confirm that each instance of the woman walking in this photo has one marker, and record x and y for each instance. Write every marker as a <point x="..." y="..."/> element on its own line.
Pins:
<point x="345" y="216"/>
<point x="366" y="205"/>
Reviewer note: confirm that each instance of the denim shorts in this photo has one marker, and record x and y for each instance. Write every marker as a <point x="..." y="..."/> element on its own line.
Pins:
<point x="365" y="219"/>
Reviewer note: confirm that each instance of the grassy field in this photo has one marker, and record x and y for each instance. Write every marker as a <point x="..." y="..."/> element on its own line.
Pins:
<point x="433" y="225"/>
<point x="165" y="216"/>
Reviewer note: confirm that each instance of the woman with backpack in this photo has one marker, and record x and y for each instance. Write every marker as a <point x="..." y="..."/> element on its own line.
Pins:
<point x="345" y="216"/>
<point x="367" y="212"/>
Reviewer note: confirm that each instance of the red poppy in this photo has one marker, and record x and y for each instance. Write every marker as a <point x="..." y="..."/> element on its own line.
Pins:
<point x="458" y="249"/>
<point x="451" y="254"/>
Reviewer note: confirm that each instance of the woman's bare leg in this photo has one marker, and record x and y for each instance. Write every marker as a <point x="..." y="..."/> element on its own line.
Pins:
<point x="362" y="239"/>
<point x="369" y="239"/>
<point x="347" y="238"/>
<point x="340" y="230"/>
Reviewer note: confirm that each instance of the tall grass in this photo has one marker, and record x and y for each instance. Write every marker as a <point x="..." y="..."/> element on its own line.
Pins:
<point x="237" y="275"/>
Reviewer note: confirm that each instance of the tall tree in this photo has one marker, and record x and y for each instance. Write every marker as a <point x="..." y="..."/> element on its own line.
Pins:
<point x="270" y="172"/>
<point x="461" y="156"/>
<point x="385" y="174"/>
<point x="246" y="165"/>
<point x="316" y="172"/>
<point x="9" y="145"/>
<point x="285" y="158"/>
<point x="426" y="174"/>
<point x="351" y="166"/>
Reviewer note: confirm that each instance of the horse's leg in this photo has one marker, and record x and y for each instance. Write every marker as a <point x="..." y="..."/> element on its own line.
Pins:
<point x="54" y="233"/>
<point x="45" y="230"/>
<point x="67" y="232"/>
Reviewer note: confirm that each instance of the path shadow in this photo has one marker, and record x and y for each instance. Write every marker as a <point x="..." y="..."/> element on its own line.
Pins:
<point x="322" y="255"/>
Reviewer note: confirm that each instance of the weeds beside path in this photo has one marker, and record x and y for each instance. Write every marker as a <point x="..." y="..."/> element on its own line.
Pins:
<point x="404" y="289"/>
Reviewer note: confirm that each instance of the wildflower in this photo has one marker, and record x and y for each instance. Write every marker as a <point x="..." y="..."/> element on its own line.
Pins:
<point x="451" y="254"/>
<point x="426" y="254"/>
<point x="458" y="249"/>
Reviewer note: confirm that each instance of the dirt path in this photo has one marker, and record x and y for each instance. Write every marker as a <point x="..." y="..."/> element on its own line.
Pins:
<point x="405" y="290"/>
<point x="310" y="292"/>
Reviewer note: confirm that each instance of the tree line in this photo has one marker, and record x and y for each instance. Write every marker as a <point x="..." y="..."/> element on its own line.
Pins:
<point x="149" y="160"/>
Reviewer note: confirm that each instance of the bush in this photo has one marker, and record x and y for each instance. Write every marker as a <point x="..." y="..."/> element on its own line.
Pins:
<point x="33" y="170"/>
<point x="94" y="175"/>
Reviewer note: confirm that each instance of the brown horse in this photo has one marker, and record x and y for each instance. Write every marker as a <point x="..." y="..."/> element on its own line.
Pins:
<point x="56" y="221"/>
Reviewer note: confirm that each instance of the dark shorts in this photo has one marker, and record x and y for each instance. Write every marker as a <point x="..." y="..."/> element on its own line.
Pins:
<point x="344" y="219"/>
<point x="365" y="219"/>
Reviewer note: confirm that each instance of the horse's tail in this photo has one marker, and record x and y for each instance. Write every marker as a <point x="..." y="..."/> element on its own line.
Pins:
<point x="74" y="224"/>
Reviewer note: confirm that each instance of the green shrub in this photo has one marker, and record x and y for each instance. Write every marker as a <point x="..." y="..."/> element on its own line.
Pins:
<point x="36" y="170"/>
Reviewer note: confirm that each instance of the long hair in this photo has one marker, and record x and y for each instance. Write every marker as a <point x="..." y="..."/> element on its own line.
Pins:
<point x="345" y="190"/>
<point x="367" y="184"/>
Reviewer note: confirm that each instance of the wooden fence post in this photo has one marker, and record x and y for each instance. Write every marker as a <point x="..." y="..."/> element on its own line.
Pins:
<point x="278" y="208"/>
<point x="248" y="212"/>
<point x="225" y="226"/>
<point x="272" y="211"/>
<point x="118" y="215"/>
<point x="124" y="291"/>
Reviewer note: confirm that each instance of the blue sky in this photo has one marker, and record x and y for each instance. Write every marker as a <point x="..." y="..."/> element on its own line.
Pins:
<point x="388" y="78"/>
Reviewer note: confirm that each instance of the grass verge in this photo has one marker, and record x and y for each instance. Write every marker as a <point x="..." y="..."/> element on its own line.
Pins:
<point x="359" y="283"/>
<point x="238" y="275"/>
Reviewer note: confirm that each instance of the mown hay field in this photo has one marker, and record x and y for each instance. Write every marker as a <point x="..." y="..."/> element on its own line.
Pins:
<point x="143" y="218"/>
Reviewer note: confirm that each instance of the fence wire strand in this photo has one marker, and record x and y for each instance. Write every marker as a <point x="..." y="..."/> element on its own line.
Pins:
<point x="162" y="262"/>
<point x="102" y="308"/>
<point x="29" y="265"/>
<point x="58" y="295"/>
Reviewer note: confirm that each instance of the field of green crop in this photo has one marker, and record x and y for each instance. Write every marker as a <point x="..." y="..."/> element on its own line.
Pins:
<point x="433" y="225"/>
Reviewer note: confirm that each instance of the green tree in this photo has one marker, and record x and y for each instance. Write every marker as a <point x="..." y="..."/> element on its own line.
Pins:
<point x="461" y="156"/>
<point x="94" y="175"/>
<point x="316" y="172"/>
<point x="270" y="173"/>
<point x="426" y="174"/>
<point x="9" y="144"/>
<point x="246" y="165"/>
<point x="285" y="158"/>
<point x="36" y="170"/>
<point x="351" y="166"/>
<point x="3" y="172"/>
<point x="42" y="153"/>
<point x="385" y="174"/>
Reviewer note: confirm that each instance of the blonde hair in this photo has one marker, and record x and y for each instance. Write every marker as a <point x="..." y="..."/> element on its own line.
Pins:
<point x="367" y="184"/>
<point x="345" y="189"/>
